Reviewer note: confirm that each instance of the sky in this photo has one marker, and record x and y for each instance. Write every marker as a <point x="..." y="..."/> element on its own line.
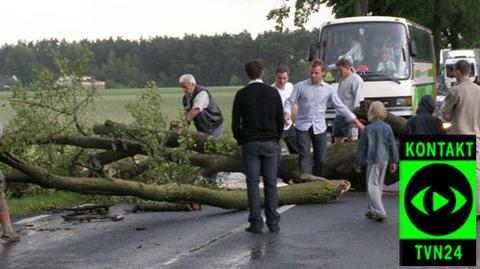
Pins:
<point x="32" y="20"/>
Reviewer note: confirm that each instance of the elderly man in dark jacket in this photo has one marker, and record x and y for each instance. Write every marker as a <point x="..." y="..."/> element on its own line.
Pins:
<point x="201" y="109"/>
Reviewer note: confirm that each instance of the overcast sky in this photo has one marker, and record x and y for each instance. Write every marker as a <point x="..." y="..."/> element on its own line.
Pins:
<point x="78" y="19"/>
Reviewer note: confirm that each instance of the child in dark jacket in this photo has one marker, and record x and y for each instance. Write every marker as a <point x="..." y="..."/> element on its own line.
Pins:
<point x="378" y="151"/>
<point x="424" y="123"/>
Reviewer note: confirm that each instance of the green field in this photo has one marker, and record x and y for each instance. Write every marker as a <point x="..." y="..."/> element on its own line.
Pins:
<point x="111" y="103"/>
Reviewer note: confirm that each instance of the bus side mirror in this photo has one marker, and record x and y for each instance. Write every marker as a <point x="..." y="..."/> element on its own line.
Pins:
<point x="312" y="52"/>
<point x="412" y="46"/>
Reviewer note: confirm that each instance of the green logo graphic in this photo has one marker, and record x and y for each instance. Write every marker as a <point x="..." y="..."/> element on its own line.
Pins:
<point x="439" y="200"/>
<point x="417" y="201"/>
<point x="460" y="200"/>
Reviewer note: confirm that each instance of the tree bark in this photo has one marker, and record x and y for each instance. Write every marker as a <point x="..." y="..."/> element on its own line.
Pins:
<point x="318" y="191"/>
<point x="398" y="124"/>
<point x="172" y="138"/>
<point x="340" y="156"/>
<point x="94" y="143"/>
<point x="339" y="165"/>
<point x="361" y="7"/>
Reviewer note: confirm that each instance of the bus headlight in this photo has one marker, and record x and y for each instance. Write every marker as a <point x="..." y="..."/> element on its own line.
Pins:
<point x="400" y="102"/>
<point x="446" y="125"/>
<point x="403" y="101"/>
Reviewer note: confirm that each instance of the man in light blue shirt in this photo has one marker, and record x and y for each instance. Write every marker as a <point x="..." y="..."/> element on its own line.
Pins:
<point x="311" y="97"/>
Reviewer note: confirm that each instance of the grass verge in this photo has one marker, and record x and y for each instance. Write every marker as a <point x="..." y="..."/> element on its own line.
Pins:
<point x="39" y="203"/>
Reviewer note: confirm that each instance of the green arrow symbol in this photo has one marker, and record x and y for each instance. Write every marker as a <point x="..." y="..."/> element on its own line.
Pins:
<point x="438" y="201"/>
<point x="460" y="200"/>
<point x="418" y="202"/>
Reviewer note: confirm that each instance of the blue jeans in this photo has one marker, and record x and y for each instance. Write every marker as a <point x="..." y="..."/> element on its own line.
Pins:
<point x="341" y="128"/>
<point x="260" y="159"/>
<point x="216" y="134"/>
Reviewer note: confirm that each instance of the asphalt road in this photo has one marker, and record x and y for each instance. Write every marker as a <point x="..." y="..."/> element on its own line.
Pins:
<point x="334" y="235"/>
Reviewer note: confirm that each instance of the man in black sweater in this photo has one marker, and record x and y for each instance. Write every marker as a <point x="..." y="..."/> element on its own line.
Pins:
<point x="257" y="125"/>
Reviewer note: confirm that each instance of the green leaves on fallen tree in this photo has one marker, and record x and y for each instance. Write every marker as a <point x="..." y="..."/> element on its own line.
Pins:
<point x="50" y="106"/>
<point x="147" y="114"/>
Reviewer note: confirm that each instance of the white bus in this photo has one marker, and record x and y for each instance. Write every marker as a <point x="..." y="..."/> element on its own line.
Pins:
<point x="394" y="56"/>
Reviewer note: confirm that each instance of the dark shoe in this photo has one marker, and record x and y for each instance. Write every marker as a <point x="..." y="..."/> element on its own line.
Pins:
<point x="254" y="230"/>
<point x="370" y="215"/>
<point x="10" y="237"/>
<point x="274" y="229"/>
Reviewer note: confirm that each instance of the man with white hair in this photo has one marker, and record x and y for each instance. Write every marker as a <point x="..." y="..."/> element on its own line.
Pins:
<point x="201" y="109"/>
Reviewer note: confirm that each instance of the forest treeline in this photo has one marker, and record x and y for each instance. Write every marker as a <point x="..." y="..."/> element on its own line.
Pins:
<point x="214" y="60"/>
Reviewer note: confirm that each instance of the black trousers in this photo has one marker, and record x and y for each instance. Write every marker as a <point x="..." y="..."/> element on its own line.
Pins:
<point x="290" y="138"/>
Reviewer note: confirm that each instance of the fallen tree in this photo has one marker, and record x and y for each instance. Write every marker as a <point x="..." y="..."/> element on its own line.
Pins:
<point x="118" y="143"/>
<point x="115" y="146"/>
<point x="201" y="141"/>
<point x="340" y="157"/>
<point x="398" y="124"/>
<point x="317" y="190"/>
<point x="52" y="129"/>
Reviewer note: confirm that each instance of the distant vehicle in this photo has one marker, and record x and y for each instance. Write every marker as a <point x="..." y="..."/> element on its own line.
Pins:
<point x="394" y="56"/>
<point x="450" y="57"/>
<point x="6" y="81"/>
<point x="84" y="82"/>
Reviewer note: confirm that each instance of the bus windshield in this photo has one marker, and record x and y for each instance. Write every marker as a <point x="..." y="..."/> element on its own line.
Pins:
<point x="378" y="50"/>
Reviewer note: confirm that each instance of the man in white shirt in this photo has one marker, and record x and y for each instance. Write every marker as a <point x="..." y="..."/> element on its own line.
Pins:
<point x="355" y="53"/>
<point x="387" y="65"/>
<point x="285" y="89"/>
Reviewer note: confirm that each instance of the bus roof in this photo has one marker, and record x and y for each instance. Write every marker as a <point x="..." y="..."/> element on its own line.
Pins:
<point x="375" y="19"/>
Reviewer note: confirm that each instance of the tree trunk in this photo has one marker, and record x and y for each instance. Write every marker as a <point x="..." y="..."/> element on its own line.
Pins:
<point x="437" y="33"/>
<point x="361" y="7"/>
<point x="340" y="158"/>
<point x="339" y="165"/>
<point x="318" y="191"/>
<point x="172" y="138"/>
<point x="398" y="124"/>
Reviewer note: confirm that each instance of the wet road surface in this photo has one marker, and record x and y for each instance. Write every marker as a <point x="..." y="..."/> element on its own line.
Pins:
<point x="334" y="235"/>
